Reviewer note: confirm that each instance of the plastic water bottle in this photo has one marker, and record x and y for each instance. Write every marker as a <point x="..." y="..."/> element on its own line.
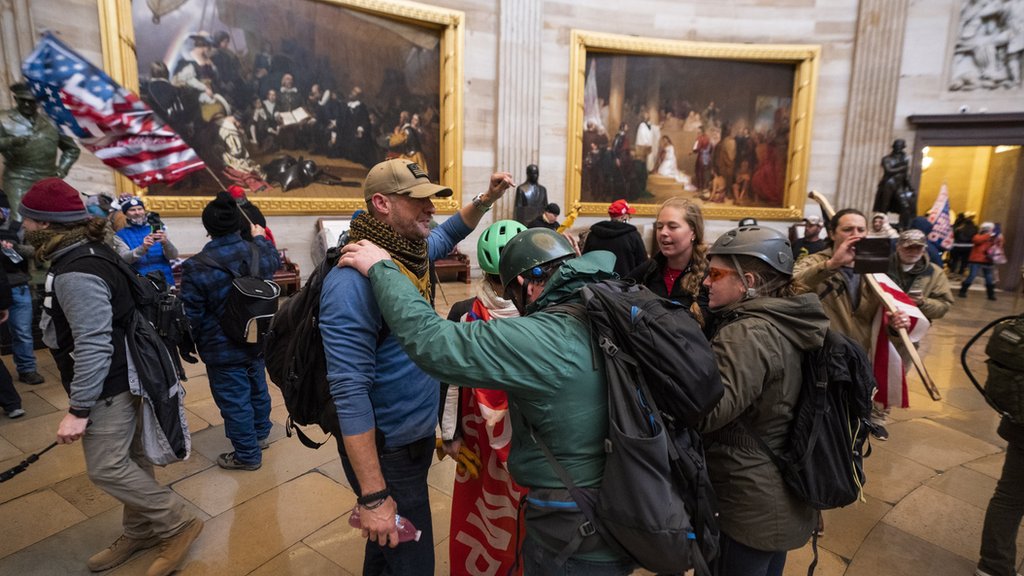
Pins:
<point x="12" y="254"/>
<point x="406" y="531"/>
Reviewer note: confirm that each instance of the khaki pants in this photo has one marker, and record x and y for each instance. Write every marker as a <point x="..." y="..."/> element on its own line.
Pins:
<point x="116" y="464"/>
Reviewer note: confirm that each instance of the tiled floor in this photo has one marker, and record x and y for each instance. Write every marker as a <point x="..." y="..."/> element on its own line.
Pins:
<point x="926" y="492"/>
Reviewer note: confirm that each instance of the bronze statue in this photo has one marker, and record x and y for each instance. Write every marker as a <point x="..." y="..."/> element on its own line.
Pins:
<point x="894" y="192"/>
<point x="29" y="143"/>
<point x="531" y="197"/>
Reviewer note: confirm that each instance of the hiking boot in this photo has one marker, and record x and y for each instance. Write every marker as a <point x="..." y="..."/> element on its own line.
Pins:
<point x="119" y="552"/>
<point x="32" y="378"/>
<point x="879" y="432"/>
<point x="16" y="413"/>
<point x="228" y="462"/>
<point x="173" y="549"/>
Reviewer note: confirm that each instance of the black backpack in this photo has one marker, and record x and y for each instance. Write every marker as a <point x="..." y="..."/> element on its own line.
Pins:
<point x="655" y="503"/>
<point x="1004" y="385"/>
<point x="823" y="462"/>
<point x="293" y="351"/>
<point x="251" y="303"/>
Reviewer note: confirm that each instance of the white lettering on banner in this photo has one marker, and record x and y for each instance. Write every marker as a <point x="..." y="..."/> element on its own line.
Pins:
<point x="477" y="552"/>
<point x="499" y="433"/>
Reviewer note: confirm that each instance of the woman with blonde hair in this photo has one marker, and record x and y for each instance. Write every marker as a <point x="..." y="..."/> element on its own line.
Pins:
<point x="680" y="258"/>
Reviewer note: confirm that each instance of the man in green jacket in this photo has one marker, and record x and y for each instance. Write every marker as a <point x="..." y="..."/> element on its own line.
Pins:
<point x="543" y="360"/>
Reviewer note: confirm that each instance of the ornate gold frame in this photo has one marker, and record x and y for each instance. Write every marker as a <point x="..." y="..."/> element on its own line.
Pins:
<point x="118" y="40"/>
<point x="804" y="58"/>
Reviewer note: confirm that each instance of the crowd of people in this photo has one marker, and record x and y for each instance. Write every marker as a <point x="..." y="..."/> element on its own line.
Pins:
<point x="235" y="111"/>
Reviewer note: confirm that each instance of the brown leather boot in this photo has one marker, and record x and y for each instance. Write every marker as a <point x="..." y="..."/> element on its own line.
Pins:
<point x="119" y="552"/>
<point x="174" y="549"/>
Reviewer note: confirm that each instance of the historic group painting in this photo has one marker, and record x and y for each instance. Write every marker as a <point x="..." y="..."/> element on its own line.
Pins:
<point x="294" y="100"/>
<point x="727" y="125"/>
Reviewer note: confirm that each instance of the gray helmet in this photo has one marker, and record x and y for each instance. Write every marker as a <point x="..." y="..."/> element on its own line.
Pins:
<point x="759" y="242"/>
<point x="529" y="251"/>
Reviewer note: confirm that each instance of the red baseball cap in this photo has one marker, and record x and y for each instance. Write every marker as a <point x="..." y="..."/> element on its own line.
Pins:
<point x="620" y="207"/>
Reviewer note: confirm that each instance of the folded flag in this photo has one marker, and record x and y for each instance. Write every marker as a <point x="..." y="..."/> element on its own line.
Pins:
<point x="890" y="371"/>
<point x="110" y="121"/>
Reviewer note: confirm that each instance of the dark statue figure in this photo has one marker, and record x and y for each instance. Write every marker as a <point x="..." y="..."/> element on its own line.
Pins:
<point x="894" y="191"/>
<point x="29" y="143"/>
<point x="531" y="197"/>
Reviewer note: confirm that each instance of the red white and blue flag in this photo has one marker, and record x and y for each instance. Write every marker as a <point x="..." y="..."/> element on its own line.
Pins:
<point x="112" y="122"/>
<point x="890" y="371"/>
<point x="942" y="230"/>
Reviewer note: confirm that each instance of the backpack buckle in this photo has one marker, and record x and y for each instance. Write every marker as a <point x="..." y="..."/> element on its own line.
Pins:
<point x="608" y="346"/>
<point x="587" y="529"/>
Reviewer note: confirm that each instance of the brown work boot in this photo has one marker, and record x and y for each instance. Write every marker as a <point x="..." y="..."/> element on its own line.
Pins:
<point x="119" y="552"/>
<point x="173" y="549"/>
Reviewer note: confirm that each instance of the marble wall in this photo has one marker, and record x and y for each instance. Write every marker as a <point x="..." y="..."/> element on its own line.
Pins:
<point x="831" y="23"/>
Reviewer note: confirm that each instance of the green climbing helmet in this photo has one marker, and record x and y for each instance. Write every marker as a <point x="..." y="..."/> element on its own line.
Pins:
<point x="529" y="251"/>
<point x="488" y="248"/>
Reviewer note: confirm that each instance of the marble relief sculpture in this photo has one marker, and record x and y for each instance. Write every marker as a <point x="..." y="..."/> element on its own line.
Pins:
<point x="989" y="46"/>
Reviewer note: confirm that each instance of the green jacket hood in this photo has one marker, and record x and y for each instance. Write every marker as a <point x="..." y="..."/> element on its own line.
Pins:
<point x="574" y="274"/>
<point x="800" y="319"/>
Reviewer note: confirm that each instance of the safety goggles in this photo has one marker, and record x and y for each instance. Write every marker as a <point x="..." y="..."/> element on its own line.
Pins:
<point x="716" y="274"/>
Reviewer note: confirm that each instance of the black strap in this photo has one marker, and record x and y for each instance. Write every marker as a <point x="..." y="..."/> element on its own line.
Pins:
<point x="967" y="369"/>
<point x="814" y="546"/>
<point x="308" y="442"/>
<point x="254" y="262"/>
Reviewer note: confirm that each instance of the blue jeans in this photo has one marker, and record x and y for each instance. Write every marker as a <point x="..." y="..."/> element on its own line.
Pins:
<point x="1005" y="510"/>
<point x="405" y="472"/>
<point x="986" y="270"/>
<point x="20" y="325"/>
<point x="240" y="392"/>
<point x="737" y="559"/>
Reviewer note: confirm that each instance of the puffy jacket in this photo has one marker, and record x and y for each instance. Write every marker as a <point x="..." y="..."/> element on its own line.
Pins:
<point x="927" y="279"/>
<point x="812" y="271"/>
<point x="155" y="258"/>
<point x="982" y="243"/>
<point x="545" y="361"/>
<point x="621" y="239"/>
<point x="759" y="346"/>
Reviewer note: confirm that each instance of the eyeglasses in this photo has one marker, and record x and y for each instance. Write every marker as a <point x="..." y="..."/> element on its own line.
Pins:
<point x="716" y="274"/>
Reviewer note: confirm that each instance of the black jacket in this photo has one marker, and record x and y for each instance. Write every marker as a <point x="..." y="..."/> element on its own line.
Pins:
<point x="621" y="239"/>
<point x="650" y="274"/>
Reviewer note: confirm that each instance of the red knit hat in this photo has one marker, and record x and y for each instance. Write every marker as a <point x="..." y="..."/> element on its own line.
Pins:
<point x="620" y="208"/>
<point x="53" y="200"/>
<point x="237" y="192"/>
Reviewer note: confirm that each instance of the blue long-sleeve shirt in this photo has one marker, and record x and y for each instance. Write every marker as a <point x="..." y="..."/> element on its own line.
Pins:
<point x="377" y="386"/>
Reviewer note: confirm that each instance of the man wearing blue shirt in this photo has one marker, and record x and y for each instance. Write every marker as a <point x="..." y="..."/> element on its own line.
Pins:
<point x="150" y="248"/>
<point x="387" y="407"/>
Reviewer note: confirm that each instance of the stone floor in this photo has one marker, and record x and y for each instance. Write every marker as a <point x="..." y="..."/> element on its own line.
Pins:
<point x="925" y="497"/>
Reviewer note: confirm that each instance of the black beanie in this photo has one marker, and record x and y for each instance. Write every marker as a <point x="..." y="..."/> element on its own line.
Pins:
<point x="220" y="217"/>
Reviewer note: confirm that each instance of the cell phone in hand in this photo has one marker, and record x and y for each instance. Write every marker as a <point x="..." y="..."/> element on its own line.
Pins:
<point x="154" y="228"/>
<point x="872" y="256"/>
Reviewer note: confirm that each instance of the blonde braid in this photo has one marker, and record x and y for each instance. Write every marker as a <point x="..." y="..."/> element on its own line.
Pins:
<point x="691" y="283"/>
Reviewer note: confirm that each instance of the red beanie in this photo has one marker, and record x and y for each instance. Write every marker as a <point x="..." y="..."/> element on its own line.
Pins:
<point x="237" y="192"/>
<point x="53" y="200"/>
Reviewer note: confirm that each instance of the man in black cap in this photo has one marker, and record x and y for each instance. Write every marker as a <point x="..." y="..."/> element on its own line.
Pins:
<point x="29" y="143"/>
<point x="237" y="376"/>
<point x="547" y="219"/>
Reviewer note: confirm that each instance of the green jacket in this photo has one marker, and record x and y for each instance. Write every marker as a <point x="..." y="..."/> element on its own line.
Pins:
<point x="812" y="271"/>
<point x="544" y="361"/>
<point x="758" y="346"/>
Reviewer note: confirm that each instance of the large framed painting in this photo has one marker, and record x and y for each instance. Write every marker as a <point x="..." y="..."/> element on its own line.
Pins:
<point x="728" y="125"/>
<point x="294" y="100"/>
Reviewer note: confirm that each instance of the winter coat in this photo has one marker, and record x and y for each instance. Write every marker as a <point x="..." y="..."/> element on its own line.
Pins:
<point x="812" y="271"/>
<point x="927" y="279"/>
<point x="147" y="260"/>
<point x="650" y="274"/>
<point x="621" y="239"/>
<point x="759" y="346"/>
<point x="982" y="243"/>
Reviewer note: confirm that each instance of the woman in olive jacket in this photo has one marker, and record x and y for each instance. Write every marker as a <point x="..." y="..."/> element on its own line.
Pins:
<point x="763" y="330"/>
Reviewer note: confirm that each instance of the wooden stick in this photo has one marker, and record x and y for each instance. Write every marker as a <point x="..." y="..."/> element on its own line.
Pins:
<point x="890" y="306"/>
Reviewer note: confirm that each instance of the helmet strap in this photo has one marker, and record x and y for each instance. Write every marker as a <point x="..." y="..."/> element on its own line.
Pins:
<point x="751" y="292"/>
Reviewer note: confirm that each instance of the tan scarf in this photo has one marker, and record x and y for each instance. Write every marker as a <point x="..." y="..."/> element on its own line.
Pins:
<point x="409" y="255"/>
<point x="47" y="241"/>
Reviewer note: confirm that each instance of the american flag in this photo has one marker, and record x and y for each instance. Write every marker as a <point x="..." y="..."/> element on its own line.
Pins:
<point x="113" y="123"/>
<point x="942" y="230"/>
<point x="888" y="365"/>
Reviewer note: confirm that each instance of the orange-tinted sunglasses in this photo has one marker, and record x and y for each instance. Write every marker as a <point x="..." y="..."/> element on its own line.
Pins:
<point x="716" y="274"/>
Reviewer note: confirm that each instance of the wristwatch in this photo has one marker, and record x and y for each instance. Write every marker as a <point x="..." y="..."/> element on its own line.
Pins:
<point x="79" y="412"/>
<point x="480" y="205"/>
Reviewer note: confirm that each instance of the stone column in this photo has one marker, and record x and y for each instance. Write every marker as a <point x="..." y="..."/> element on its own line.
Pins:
<point x="519" y="64"/>
<point x="16" y="41"/>
<point x="877" y="56"/>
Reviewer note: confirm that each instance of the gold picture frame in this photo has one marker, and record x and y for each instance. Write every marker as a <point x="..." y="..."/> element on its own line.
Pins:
<point x="630" y="75"/>
<point x="120" y="60"/>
